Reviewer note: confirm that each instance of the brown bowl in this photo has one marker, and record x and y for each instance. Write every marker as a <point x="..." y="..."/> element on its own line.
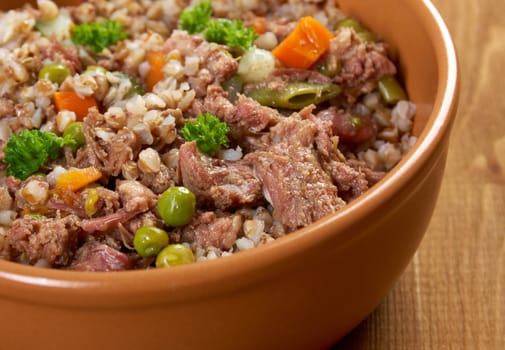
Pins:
<point x="304" y="291"/>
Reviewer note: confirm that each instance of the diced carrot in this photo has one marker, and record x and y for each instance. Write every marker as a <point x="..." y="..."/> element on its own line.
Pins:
<point x="260" y="25"/>
<point x="70" y="101"/>
<point x="75" y="179"/>
<point x="156" y="60"/>
<point x="304" y="45"/>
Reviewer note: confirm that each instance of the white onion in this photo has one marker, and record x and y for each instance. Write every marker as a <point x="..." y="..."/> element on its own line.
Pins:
<point x="256" y="65"/>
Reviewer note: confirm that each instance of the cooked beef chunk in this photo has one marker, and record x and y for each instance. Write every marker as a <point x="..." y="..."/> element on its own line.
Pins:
<point x="225" y="184"/>
<point x="53" y="240"/>
<point x="135" y="197"/>
<point x="107" y="222"/>
<point x="246" y="116"/>
<point x="208" y="230"/>
<point x="213" y="57"/>
<point x="350" y="182"/>
<point x="361" y="63"/>
<point x="6" y="107"/>
<point x="95" y="256"/>
<point x="108" y="156"/>
<point x="294" y="183"/>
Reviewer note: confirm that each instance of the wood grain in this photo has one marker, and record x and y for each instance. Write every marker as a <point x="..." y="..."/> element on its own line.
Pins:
<point x="452" y="296"/>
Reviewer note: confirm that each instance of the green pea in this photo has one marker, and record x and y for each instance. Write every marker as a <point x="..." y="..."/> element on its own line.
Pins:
<point x="74" y="132"/>
<point x="55" y="72"/>
<point x="97" y="70"/>
<point x="149" y="241"/>
<point x="177" y="206"/>
<point x="173" y="255"/>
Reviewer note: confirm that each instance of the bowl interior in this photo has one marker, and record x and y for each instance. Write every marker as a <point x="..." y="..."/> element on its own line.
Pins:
<point x="418" y="39"/>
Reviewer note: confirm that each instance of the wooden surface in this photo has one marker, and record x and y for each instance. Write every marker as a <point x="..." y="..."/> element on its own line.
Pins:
<point x="452" y="296"/>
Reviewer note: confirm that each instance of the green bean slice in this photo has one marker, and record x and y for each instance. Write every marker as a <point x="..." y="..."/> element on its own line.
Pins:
<point x="391" y="90"/>
<point x="296" y="95"/>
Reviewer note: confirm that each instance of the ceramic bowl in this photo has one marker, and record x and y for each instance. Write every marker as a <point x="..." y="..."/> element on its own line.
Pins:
<point x="304" y="291"/>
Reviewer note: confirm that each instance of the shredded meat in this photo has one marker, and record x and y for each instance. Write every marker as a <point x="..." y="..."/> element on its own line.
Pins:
<point x="225" y="184"/>
<point x="6" y="107"/>
<point x="207" y="230"/>
<point x="99" y="257"/>
<point x="246" y="116"/>
<point x="53" y="240"/>
<point x="294" y="183"/>
<point x="107" y="156"/>
<point x="362" y="63"/>
<point x="213" y="57"/>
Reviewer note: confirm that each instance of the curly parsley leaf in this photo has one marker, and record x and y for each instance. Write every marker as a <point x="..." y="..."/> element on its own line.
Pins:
<point x="208" y="132"/>
<point x="195" y="20"/>
<point x="232" y="33"/>
<point x="98" y="35"/>
<point x="26" y="152"/>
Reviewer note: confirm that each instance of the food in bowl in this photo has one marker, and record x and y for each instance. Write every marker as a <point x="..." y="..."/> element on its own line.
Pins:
<point x="133" y="139"/>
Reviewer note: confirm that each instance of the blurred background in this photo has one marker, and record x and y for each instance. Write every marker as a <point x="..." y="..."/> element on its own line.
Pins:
<point x="452" y="296"/>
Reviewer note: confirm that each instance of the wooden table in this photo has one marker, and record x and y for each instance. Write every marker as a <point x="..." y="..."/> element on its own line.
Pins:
<point x="452" y="296"/>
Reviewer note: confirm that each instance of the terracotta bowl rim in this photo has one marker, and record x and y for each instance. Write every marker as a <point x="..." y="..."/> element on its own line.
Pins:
<point x="207" y="279"/>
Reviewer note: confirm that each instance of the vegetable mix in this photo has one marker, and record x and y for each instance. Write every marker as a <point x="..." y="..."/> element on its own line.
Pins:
<point x="139" y="135"/>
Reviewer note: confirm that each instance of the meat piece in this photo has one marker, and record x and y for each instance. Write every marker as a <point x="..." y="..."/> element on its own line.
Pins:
<point x="159" y="181"/>
<point x="107" y="156"/>
<point x="135" y="197"/>
<point x="13" y="185"/>
<point x="107" y="203"/>
<point x="207" y="230"/>
<point x="372" y="176"/>
<point x="225" y="184"/>
<point x="246" y="116"/>
<point x="362" y="63"/>
<point x="74" y="203"/>
<point x="354" y="130"/>
<point x="350" y="182"/>
<point x="53" y="240"/>
<point x="145" y="219"/>
<point x="65" y="206"/>
<point x="294" y="183"/>
<point x="213" y="57"/>
<point x="294" y="131"/>
<point x="124" y="146"/>
<point x="5" y="198"/>
<point x="107" y="222"/>
<point x="251" y="116"/>
<point x="99" y="257"/>
<point x="6" y="107"/>
<point x="69" y="56"/>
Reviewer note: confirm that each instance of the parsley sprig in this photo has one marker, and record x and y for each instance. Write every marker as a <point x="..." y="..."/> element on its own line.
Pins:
<point x="98" y="35"/>
<point x="26" y="152"/>
<point x="232" y="33"/>
<point x="208" y="132"/>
